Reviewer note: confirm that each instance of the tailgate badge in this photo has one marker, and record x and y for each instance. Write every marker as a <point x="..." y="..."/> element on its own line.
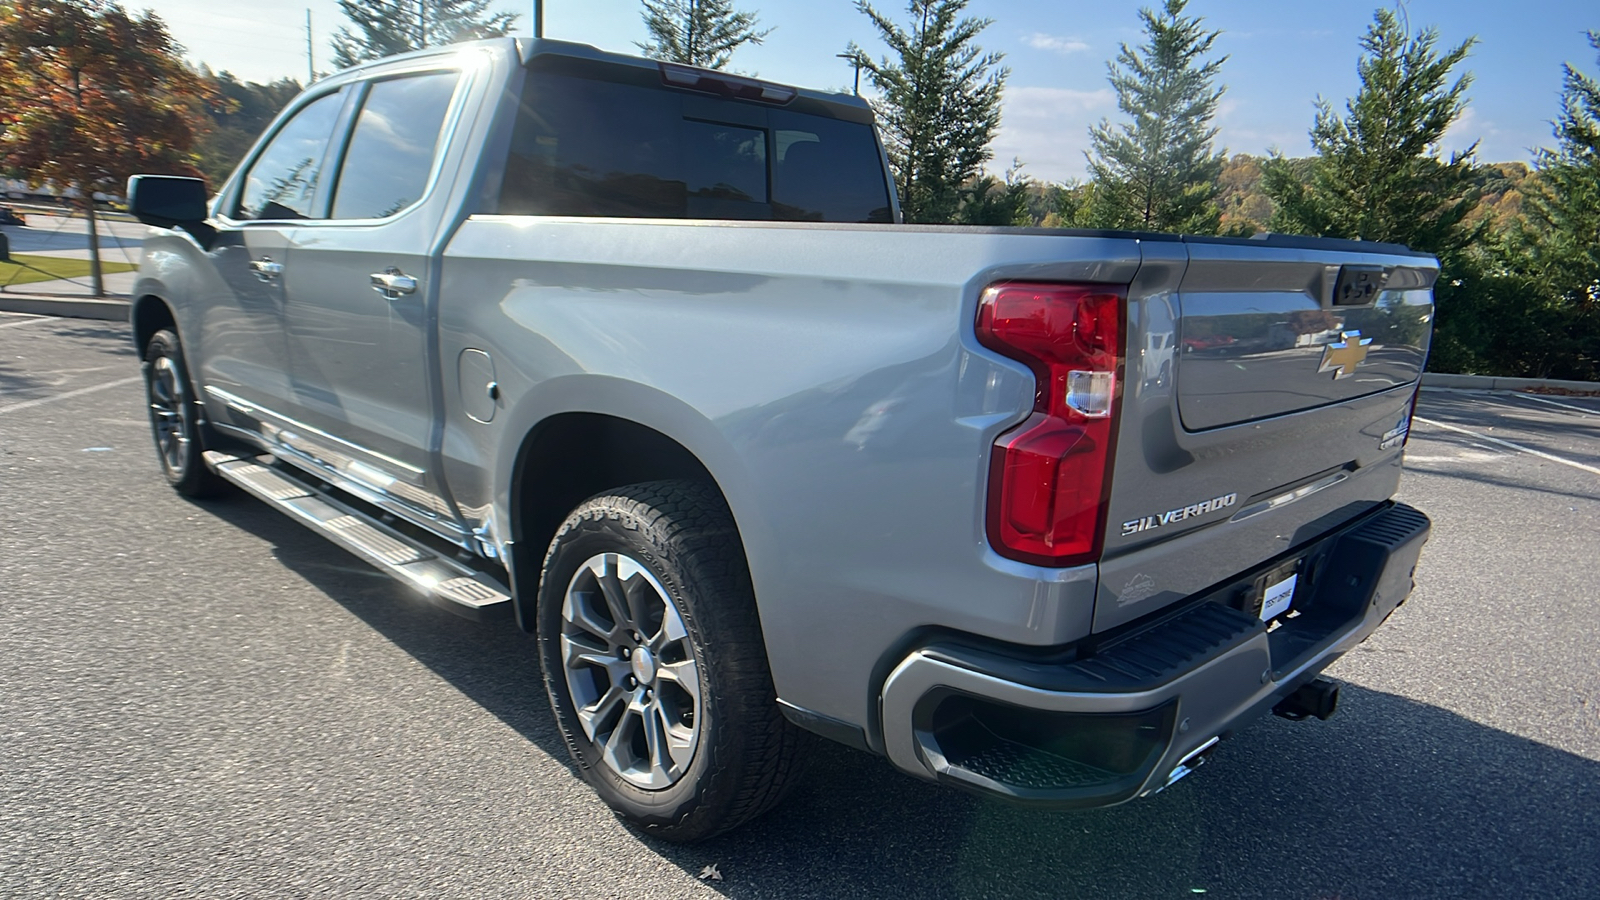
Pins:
<point x="1342" y="356"/>
<point x="1171" y="517"/>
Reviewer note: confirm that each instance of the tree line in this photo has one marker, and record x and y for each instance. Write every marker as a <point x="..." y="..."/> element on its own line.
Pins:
<point x="1519" y="249"/>
<point x="95" y="93"/>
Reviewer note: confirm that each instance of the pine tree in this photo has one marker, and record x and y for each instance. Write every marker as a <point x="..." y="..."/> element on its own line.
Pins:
<point x="387" y="27"/>
<point x="1378" y="175"/>
<point x="1158" y="171"/>
<point x="1565" y="205"/>
<point x="996" y="201"/>
<point x="700" y="33"/>
<point x="940" y="104"/>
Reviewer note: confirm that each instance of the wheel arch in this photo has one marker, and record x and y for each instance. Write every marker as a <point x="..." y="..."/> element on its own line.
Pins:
<point x="571" y="456"/>
<point x="149" y="314"/>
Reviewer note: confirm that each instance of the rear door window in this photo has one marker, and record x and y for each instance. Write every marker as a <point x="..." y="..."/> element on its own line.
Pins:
<point x="586" y="147"/>
<point x="390" y="158"/>
<point x="282" y="182"/>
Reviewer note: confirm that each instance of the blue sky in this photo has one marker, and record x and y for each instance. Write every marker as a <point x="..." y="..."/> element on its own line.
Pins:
<point x="1282" y="56"/>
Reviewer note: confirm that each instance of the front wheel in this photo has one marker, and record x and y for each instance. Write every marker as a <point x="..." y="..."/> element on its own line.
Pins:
<point x="175" y="418"/>
<point x="655" y="665"/>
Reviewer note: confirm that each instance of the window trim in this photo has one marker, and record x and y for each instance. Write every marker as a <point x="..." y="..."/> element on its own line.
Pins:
<point x="227" y="203"/>
<point x="453" y="116"/>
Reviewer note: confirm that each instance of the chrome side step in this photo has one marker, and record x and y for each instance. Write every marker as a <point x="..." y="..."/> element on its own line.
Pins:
<point x="444" y="581"/>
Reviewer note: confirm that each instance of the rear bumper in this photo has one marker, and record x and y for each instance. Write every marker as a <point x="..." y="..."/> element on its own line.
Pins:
<point x="1097" y="725"/>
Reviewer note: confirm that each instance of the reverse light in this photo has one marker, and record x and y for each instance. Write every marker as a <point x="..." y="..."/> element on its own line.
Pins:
<point x="1049" y="477"/>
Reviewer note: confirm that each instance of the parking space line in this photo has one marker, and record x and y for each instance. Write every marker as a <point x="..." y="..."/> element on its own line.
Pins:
<point x="28" y="404"/>
<point x="1494" y="440"/>
<point x="1582" y="409"/>
<point x="27" y="321"/>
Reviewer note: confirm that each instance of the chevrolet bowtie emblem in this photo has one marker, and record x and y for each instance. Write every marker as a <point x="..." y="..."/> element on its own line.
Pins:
<point x="1342" y="357"/>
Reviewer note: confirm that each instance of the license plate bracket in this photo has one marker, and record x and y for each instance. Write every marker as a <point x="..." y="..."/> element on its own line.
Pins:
<point x="1273" y="594"/>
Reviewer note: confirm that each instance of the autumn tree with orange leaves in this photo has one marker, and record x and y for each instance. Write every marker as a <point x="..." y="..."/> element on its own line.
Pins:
<point x="89" y="95"/>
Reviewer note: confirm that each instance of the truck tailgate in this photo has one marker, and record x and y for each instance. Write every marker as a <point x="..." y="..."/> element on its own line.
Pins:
<point x="1265" y="401"/>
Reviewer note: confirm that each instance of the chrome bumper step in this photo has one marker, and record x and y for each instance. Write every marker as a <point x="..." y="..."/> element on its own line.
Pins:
<point x="441" y="579"/>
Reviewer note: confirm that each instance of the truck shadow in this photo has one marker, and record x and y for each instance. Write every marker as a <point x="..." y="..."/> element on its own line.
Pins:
<point x="1390" y="798"/>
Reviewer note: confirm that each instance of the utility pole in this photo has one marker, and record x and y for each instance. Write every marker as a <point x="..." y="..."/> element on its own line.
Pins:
<point x="422" y="24"/>
<point x="538" y="18"/>
<point x="311" y="58"/>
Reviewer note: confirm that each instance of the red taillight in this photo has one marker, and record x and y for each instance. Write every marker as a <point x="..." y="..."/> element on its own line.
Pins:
<point x="1050" y="476"/>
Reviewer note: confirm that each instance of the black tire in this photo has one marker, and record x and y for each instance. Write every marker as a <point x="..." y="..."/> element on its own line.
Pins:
<point x="176" y="422"/>
<point x="746" y="755"/>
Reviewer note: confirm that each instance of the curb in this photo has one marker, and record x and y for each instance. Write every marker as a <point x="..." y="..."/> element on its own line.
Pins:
<point x="1493" y="383"/>
<point x="109" y="309"/>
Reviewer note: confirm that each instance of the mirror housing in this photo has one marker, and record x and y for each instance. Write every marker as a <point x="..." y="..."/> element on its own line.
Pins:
<point x="171" y="201"/>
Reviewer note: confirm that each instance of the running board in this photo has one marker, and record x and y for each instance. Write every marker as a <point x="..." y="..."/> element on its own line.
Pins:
<point x="442" y="580"/>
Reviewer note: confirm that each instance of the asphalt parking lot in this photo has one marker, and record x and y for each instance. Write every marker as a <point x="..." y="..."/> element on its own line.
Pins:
<point x="205" y="699"/>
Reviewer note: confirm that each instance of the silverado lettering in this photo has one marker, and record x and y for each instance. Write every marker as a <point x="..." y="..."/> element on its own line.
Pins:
<point x="1135" y="526"/>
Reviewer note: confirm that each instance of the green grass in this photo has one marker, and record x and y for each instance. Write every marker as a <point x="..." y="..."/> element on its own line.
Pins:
<point x="25" y="268"/>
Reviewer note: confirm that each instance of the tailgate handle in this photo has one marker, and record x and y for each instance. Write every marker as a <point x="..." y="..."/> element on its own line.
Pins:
<point x="1359" y="285"/>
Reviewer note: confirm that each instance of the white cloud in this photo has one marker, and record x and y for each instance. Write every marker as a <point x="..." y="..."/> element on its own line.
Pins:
<point x="1048" y="129"/>
<point x="1465" y="131"/>
<point x="1045" y="103"/>
<point x="1062" y="45"/>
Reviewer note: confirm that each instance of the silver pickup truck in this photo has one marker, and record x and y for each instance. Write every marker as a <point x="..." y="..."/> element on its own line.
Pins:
<point x="640" y="355"/>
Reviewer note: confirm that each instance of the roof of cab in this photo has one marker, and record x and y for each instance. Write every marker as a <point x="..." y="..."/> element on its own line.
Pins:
<point x="532" y="48"/>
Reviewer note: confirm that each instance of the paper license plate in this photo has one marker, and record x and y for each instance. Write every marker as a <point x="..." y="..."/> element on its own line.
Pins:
<point x="1277" y="597"/>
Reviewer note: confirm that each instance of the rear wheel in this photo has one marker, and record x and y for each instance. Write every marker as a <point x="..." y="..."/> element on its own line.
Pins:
<point x="175" y="418"/>
<point x="677" y="731"/>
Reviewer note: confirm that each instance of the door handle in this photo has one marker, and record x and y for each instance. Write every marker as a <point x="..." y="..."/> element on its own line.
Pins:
<point x="265" y="268"/>
<point x="391" y="283"/>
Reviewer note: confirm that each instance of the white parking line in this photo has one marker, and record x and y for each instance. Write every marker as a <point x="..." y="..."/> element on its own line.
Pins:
<point x="28" y="404"/>
<point x="1582" y="409"/>
<point x="1494" y="440"/>
<point x="28" y="321"/>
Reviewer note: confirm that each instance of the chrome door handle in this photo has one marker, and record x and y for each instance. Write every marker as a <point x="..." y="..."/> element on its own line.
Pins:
<point x="391" y="283"/>
<point x="265" y="268"/>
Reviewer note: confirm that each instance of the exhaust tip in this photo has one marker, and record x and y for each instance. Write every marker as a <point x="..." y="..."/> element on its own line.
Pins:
<point x="1318" y="697"/>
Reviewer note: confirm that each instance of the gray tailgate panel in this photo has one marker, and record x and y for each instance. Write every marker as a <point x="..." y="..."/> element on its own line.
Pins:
<point x="1254" y="333"/>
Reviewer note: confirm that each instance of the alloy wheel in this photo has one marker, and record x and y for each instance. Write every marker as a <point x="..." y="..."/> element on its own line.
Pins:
<point x="167" y="419"/>
<point x="631" y="671"/>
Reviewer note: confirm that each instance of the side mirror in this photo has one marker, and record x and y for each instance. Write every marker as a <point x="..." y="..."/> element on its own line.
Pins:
<point x="170" y="201"/>
<point x="167" y="201"/>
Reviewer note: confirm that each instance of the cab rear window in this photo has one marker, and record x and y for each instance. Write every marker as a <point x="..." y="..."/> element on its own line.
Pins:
<point x="586" y="147"/>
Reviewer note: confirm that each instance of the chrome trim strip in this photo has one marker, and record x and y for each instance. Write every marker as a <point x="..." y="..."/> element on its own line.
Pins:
<point x="1288" y="497"/>
<point x="413" y="504"/>
<point x="386" y="501"/>
<point x="409" y="473"/>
